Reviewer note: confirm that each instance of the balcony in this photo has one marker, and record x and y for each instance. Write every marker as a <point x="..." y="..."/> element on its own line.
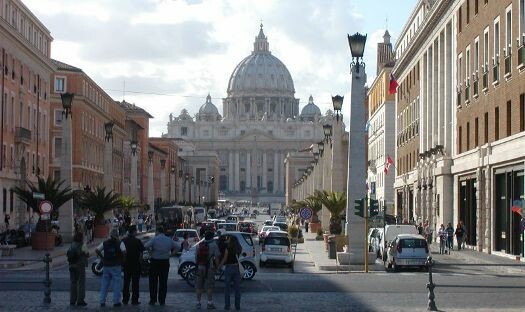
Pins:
<point x="476" y="88"/>
<point x="22" y="136"/>
<point x="508" y="66"/>
<point x="495" y="74"/>
<point x="485" y="81"/>
<point x="467" y="94"/>
<point x="521" y="56"/>
<point x="458" y="103"/>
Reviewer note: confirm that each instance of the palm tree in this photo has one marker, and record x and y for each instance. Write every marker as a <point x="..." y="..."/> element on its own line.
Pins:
<point x="99" y="202"/>
<point x="314" y="202"/>
<point x="335" y="202"/>
<point x="53" y="191"/>
<point x="126" y="203"/>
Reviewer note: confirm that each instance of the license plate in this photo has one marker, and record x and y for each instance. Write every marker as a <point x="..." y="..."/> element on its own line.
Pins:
<point x="416" y="262"/>
<point x="275" y="249"/>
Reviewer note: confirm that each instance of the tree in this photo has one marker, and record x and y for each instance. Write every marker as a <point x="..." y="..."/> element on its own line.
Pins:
<point x="126" y="203"/>
<point x="335" y="202"/>
<point x="53" y="191"/>
<point x="99" y="202"/>
<point x="314" y="202"/>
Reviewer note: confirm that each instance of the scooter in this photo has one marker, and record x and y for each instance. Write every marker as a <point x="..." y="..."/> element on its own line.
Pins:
<point x="97" y="267"/>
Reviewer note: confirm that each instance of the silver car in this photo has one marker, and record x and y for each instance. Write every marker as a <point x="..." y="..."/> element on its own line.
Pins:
<point x="407" y="250"/>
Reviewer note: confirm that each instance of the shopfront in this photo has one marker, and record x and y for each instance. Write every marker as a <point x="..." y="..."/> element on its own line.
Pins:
<point x="508" y="187"/>
<point x="468" y="207"/>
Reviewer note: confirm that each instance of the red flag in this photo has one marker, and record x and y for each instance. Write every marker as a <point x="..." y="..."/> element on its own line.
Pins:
<point x="516" y="207"/>
<point x="389" y="162"/>
<point x="393" y="85"/>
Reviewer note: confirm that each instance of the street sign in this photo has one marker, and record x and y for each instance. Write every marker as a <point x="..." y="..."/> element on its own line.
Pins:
<point x="45" y="207"/>
<point x="38" y="195"/>
<point x="306" y="213"/>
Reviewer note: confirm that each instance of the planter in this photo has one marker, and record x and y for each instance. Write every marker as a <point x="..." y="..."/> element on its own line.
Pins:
<point x="43" y="241"/>
<point x="101" y="231"/>
<point x="340" y="241"/>
<point x="314" y="226"/>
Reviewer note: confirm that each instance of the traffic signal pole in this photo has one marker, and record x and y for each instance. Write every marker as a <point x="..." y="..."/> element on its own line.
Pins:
<point x="366" y="234"/>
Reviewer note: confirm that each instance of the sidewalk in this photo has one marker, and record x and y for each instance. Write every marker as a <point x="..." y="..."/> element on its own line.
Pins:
<point x="21" y="258"/>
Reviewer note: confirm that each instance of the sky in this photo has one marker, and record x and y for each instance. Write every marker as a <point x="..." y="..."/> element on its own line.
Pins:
<point x="166" y="55"/>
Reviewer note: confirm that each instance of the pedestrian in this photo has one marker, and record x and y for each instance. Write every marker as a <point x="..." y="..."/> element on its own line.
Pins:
<point x="134" y="249"/>
<point x="6" y="221"/>
<point x="112" y="251"/>
<point x="141" y="223"/>
<point x="161" y="249"/>
<point x="442" y="239"/>
<point x="306" y="226"/>
<point x="185" y="245"/>
<point x="450" y="237"/>
<point x="230" y="260"/>
<point x="465" y="235"/>
<point x="428" y="232"/>
<point x="420" y="229"/>
<point x="459" y="235"/>
<point x="89" y="229"/>
<point x="77" y="256"/>
<point x="207" y="258"/>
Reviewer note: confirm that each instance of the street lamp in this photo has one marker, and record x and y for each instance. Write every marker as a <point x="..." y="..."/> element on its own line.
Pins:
<point x="337" y="102"/>
<point x="67" y="101"/>
<point x="173" y="169"/>
<point x="134" y="145"/>
<point x="108" y="126"/>
<point x="357" y="48"/>
<point x="327" y="130"/>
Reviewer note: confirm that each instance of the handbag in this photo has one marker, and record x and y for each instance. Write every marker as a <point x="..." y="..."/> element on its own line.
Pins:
<point x="241" y="267"/>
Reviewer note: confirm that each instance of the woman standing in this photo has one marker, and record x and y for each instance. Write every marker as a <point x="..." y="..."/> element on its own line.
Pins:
<point x="230" y="260"/>
<point x="460" y="232"/>
<point x="442" y="239"/>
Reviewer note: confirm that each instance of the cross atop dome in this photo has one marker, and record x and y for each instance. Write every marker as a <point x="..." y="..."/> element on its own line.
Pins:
<point x="261" y="42"/>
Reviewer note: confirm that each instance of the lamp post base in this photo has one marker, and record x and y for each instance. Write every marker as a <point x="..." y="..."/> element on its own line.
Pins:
<point x="355" y="257"/>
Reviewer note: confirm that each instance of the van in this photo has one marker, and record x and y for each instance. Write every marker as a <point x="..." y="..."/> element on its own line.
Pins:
<point x="391" y="232"/>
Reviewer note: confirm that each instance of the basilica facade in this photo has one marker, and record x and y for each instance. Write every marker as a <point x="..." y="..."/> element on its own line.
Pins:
<point x="260" y="124"/>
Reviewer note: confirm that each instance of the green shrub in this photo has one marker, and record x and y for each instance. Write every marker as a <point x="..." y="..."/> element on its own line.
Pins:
<point x="293" y="231"/>
<point x="319" y="232"/>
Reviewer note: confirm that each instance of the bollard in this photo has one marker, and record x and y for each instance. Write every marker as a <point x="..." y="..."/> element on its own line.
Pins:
<point x="431" y="303"/>
<point x="47" y="280"/>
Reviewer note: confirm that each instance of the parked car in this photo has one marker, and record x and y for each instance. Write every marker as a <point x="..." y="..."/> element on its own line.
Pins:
<point x="279" y="219"/>
<point x="223" y="228"/>
<point x="276" y="249"/>
<point x="407" y="250"/>
<point x="247" y="257"/>
<point x="178" y="237"/>
<point x="234" y="218"/>
<point x="268" y="222"/>
<point x="207" y="226"/>
<point x="247" y="227"/>
<point x="374" y="241"/>
<point x="277" y="234"/>
<point x="265" y="229"/>
<point x="391" y="232"/>
<point x="282" y="225"/>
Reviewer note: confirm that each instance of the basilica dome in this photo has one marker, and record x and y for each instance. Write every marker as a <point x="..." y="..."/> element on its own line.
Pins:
<point x="310" y="111"/>
<point x="261" y="73"/>
<point x="208" y="111"/>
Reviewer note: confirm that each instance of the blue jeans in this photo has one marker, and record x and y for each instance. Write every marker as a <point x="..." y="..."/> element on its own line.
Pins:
<point x="111" y="274"/>
<point x="231" y="273"/>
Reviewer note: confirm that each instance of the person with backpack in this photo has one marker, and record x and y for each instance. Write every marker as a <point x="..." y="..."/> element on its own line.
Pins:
<point x="230" y="260"/>
<point x="113" y="252"/>
<point x="207" y="258"/>
<point x="77" y="256"/>
<point x="134" y="249"/>
<point x="162" y="247"/>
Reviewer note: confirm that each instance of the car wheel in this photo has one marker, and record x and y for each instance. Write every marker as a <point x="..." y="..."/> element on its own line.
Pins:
<point x="185" y="268"/>
<point x="249" y="270"/>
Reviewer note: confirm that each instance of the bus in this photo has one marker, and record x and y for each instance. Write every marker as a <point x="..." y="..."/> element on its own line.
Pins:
<point x="172" y="218"/>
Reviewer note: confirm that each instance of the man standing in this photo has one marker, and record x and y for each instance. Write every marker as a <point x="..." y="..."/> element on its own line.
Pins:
<point x="112" y="251"/>
<point x="207" y="257"/>
<point x="77" y="256"/>
<point x="161" y="249"/>
<point x="134" y="249"/>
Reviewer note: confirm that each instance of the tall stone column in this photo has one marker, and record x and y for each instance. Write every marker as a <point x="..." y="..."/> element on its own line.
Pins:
<point x="134" y="176"/>
<point x="108" y="157"/>
<point x="337" y="174"/>
<point x="264" y="173"/>
<point x="172" y="184"/>
<point x="248" y="172"/>
<point x="151" y="193"/>
<point x="237" y="172"/>
<point x="488" y="211"/>
<point x="163" y="179"/>
<point x="66" y="174"/>
<point x="357" y="167"/>
<point x="282" y="154"/>
<point x="275" y="172"/>
<point x="231" y="185"/>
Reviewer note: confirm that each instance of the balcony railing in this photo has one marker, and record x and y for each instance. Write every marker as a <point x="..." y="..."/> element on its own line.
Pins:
<point x="476" y="88"/>
<point x="508" y="65"/>
<point x="458" y="103"/>
<point x="521" y="56"/>
<point x="22" y="135"/>
<point x="467" y="93"/>
<point x="495" y="74"/>
<point x="485" y="80"/>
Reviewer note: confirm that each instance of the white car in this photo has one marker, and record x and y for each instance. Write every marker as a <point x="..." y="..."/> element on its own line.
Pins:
<point x="276" y="249"/>
<point x="265" y="229"/>
<point x="178" y="237"/>
<point x="223" y="228"/>
<point x="407" y="250"/>
<point x="390" y="233"/>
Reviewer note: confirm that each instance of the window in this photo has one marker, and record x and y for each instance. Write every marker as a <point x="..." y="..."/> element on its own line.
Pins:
<point x="496" y="41"/>
<point x="58" y="147"/>
<point x="468" y="11"/>
<point x="486" y="129"/>
<point x="522" y="112"/>
<point x="58" y="117"/>
<point x="206" y="133"/>
<point x="486" y="49"/>
<point x="468" y="136"/>
<point x="11" y="200"/>
<point x="60" y="84"/>
<point x="508" y="29"/>
<point x="459" y="19"/>
<point x="183" y="130"/>
<point x="460" y="136"/>
<point x="475" y="69"/>
<point x="476" y="132"/>
<point x="509" y="118"/>
<point x="4" y="200"/>
<point x="476" y="6"/>
<point x="522" y="21"/>
<point x="496" y="124"/>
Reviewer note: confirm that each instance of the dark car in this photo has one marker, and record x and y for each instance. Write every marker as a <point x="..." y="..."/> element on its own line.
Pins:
<point x="207" y="226"/>
<point x="282" y="225"/>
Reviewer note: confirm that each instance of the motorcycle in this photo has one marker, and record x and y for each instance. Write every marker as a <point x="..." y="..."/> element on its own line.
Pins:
<point x="97" y="267"/>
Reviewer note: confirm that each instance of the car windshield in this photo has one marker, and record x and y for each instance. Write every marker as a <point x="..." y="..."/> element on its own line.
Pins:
<point x="283" y="241"/>
<point x="413" y="243"/>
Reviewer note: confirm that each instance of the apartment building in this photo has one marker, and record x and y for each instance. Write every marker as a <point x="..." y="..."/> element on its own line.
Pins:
<point x="170" y="166"/>
<point x="25" y="47"/>
<point x="381" y="129"/>
<point x="490" y="107"/>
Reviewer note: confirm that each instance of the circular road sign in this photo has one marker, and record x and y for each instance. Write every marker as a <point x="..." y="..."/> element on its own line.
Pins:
<point x="45" y="207"/>
<point x="306" y="213"/>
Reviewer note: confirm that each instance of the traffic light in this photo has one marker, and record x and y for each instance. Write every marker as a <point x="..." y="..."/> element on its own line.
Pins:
<point x="359" y="207"/>
<point x="374" y="207"/>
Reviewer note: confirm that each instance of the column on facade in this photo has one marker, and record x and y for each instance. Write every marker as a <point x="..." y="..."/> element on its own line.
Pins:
<point x="264" y="172"/>
<point x="231" y="165"/>
<point x="282" y="154"/>
<point x="172" y="186"/>
<point x="151" y="193"/>
<point x="248" y="171"/>
<point x="338" y="173"/>
<point x="276" y="172"/>
<point x="449" y="90"/>
<point x="237" y="172"/>
<point x="488" y="204"/>
<point x="479" y="210"/>
<point x="163" y="180"/>
<point x="66" y="174"/>
<point x="134" y="177"/>
<point x="108" y="163"/>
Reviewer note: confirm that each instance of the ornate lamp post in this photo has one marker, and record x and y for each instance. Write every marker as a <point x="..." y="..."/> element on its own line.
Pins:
<point x="134" y="173"/>
<point x="108" y="155"/>
<point x="173" y="171"/>
<point x="66" y="171"/>
<point x="357" y="48"/>
<point x="337" y="102"/>
<point x="151" y="191"/>
<point x="327" y="130"/>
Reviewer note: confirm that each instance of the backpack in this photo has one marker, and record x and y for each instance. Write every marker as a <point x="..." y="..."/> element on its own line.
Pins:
<point x="89" y="224"/>
<point x="73" y="254"/>
<point x="112" y="253"/>
<point x="203" y="254"/>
